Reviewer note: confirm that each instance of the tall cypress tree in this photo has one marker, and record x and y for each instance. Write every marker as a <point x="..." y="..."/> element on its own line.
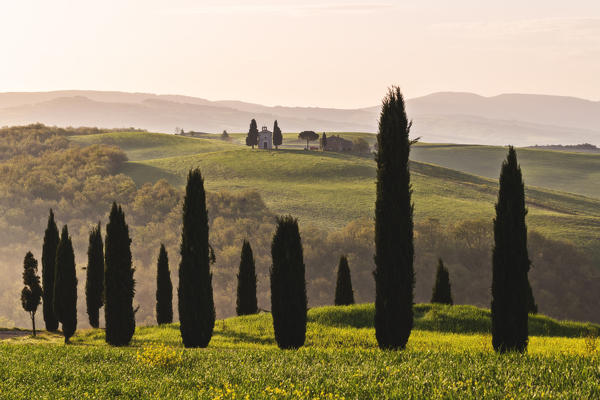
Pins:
<point x="94" y="282"/>
<point x="277" y="135"/>
<point x="31" y="295"/>
<point x="252" y="138"/>
<point x="442" y="292"/>
<point x="119" y="285"/>
<point x="511" y="293"/>
<point x="65" y="285"/>
<point x="246" y="290"/>
<point x="323" y="141"/>
<point x="288" y="285"/>
<point x="51" y="239"/>
<point x="394" y="250"/>
<point x="164" y="289"/>
<point x="344" y="295"/>
<point x="195" y="293"/>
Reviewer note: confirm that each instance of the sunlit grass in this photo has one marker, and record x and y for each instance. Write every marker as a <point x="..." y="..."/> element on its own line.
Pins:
<point x="340" y="360"/>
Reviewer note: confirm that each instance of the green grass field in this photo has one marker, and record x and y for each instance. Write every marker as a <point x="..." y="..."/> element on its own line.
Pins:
<point x="449" y="355"/>
<point x="570" y="172"/>
<point x="331" y="189"/>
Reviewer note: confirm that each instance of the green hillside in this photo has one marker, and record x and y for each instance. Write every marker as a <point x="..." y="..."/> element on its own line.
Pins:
<point x="570" y="172"/>
<point x="331" y="189"/>
<point x="558" y="170"/>
<point x="448" y="355"/>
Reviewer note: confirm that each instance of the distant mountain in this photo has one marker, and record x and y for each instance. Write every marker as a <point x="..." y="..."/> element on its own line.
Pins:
<point x="518" y="119"/>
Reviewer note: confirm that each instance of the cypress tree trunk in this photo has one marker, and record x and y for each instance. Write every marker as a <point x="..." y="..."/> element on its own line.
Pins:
<point x="65" y="285"/>
<point x="94" y="283"/>
<point x="164" y="289"/>
<point x="442" y="292"/>
<point x="511" y="293"/>
<point x="288" y="285"/>
<point x="119" y="285"/>
<point x="246" y="290"/>
<point x="394" y="251"/>
<point x="344" y="295"/>
<point x="51" y="239"/>
<point x="195" y="293"/>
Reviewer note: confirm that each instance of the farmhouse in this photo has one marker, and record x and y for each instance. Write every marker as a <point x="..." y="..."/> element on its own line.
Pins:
<point x="265" y="139"/>
<point x="336" y="143"/>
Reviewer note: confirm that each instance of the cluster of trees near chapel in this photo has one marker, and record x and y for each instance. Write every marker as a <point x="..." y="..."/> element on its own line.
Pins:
<point x="110" y="274"/>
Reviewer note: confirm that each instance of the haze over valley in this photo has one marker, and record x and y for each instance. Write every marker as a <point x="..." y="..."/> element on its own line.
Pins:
<point x="445" y="117"/>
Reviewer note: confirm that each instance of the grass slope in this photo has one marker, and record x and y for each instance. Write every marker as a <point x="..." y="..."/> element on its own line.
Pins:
<point x="339" y="361"/>
<point x="331" y="189"/>
<point x="558" y="170"/>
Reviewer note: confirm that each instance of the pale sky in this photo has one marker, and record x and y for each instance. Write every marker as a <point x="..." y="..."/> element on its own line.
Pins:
<point x="328" y="53"/>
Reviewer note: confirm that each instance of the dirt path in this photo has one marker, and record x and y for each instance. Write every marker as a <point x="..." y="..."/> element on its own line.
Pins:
<point x="13" y="334"/>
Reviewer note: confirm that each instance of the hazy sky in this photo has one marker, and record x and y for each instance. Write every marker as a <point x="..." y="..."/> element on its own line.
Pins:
<point x="290" y="52"/>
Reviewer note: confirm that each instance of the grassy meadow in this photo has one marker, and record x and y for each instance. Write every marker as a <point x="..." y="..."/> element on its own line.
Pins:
<point x="449" y="355"/>
<point x="557" y="170"/>
<point x="331" y="189"/>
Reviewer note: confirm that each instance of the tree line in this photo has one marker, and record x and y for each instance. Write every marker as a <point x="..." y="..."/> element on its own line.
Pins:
<point x="512" y="297"/>
<point x="79" y="184"/>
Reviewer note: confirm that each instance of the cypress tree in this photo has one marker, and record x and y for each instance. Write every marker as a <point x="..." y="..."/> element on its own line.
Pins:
<point x="532" y="306"/>
<point x="65" y="285"/>
<point x="394" y="250"/>
<point x="31" y="295"/>
<point x="252" y="138"/>
<point x="288" y="285"/>
<point x="51" y="239"/>
<point x="511" y="292"/>
<point x="94" y="282"/>
<point x="323" y="141"/>
<point x="277" y="135"/>
<point x="442" y="291"/>
<point x="119" y="285"/>
<point x="195" y="293"/>
<point x="246" y="290"/>
<point x="164" y="289"/>
<point x="344" y="295"/>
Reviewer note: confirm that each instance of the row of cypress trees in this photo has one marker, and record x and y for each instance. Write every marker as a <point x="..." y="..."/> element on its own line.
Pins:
<point x="512" y="297"/>
<point x="109" y="279"/>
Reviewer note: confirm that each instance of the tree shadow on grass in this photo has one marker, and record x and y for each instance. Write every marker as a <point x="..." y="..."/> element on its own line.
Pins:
<point x="244" y="337"/>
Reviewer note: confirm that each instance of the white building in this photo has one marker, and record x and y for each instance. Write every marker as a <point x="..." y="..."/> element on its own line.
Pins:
<point x="265" y="139"/>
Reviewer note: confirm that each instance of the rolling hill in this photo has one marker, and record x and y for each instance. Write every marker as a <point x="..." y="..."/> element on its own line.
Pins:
<point x="517" y="119"/>
<point x="331" y="189"/>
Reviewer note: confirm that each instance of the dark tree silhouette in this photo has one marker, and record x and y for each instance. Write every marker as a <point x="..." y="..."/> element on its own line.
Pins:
<point x="309" y="136"/>
<point x="252" y="138"/>
<point x="344" y="295"/>
<point x="65" y="285"/>
<point x="511" y="292"/>
<point x="442" y="291"/>
<point x="277" y="135"/>
<point x="323" y="141"/>
<point x="288" y="285"/>
<point x="195" y="292"/>
<point x="394" y="249"/>
<point x="224" y="135"/>
<point x="49" y="247"/>
<point x="246" y="290"/>
<point x="164" y="289"/>
<point x="119" y="285"/>
<point x="94" y="282"/>
<point x="31" y="295"/>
